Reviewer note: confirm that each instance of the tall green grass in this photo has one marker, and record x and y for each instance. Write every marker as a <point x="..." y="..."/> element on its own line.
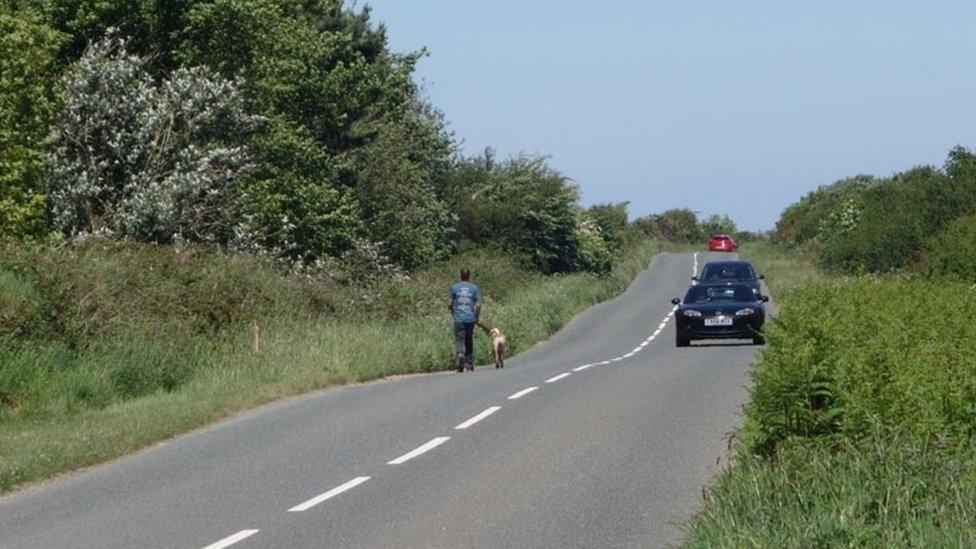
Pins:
<point x="786" y="268"/>
<point x="108" y="347"/>
<point x="875" y="492"/>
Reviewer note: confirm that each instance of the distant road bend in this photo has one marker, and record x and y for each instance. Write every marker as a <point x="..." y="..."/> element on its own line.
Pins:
<point x="603" y="436"/>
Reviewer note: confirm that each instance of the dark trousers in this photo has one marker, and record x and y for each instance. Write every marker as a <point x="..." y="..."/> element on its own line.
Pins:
<point x="464" y="342"/>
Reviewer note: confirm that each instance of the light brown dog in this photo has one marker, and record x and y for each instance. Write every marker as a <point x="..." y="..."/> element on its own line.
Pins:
<point x="499" y="345"/>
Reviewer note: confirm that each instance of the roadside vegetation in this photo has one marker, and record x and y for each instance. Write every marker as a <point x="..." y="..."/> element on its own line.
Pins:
<point x="860" y="427"/>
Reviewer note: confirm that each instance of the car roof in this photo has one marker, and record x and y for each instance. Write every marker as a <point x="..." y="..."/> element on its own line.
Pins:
<point x="726" y="284"/>
<point x="725" y="262"/>
<point x="740" y="287"/>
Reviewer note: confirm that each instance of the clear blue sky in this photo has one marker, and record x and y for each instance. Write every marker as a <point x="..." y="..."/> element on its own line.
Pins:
<point x="722" y="106"/>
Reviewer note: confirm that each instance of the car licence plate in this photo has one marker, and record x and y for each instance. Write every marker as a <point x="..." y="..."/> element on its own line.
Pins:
<point x="718" y="321"/>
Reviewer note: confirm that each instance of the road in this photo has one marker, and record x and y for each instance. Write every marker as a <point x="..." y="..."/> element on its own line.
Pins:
<point x="601" y="437"/>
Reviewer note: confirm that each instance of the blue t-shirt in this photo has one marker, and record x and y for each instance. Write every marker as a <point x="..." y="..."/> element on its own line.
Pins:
<point x="464" y="295"/>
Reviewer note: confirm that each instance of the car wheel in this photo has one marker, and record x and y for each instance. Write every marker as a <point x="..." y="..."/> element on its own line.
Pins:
<point x="759" y="340"/>
<point x="681" y="341"/>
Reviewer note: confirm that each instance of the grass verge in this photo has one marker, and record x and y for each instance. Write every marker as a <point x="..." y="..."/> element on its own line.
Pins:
<point x="786" y="269"/>
<point x="110" y="347"/>
<point x="860" y="427"/>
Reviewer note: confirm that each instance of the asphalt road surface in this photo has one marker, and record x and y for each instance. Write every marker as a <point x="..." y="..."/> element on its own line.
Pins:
<point x="601" y="437"/>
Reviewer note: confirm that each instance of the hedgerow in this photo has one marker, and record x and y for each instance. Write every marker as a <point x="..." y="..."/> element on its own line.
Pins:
<point x="848" y="357"/>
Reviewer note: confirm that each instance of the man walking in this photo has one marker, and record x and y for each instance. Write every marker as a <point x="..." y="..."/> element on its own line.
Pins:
<point x="464" y="302"/>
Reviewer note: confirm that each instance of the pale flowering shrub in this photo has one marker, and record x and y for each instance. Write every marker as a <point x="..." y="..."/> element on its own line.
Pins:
<point x="153" y="161"/>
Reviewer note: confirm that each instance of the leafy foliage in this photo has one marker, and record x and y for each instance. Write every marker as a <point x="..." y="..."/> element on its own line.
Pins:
<point x="402" y="210"/>
<point x="952" y="252"/>
<point x="290" y="205"/>
<point x="524" y="205"/>
<point x="28" y="65"/>
<point x="852" y="356"/>
<point x="610" y="221"/>
<point x="679" y="225"/>
<point x="804" y="220"/>
<point x="150" y="161"/>
<point x="881" y="225"/>
<point x="717" y="224"/>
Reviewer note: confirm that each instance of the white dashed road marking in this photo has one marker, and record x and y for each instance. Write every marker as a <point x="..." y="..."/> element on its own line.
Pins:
<point x="231" y="540"/>
<point x="419" y="451"/>
<point x="583" y="367"/>
<point x="328" y="495"/>
<point x="557" y="378"/>
<point x="478" y="417"/>
<point x="522" y="393"/>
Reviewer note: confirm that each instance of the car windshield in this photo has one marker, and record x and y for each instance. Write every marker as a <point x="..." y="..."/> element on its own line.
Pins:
<point x="718" y="294"/>
<point x="727" y="271"/>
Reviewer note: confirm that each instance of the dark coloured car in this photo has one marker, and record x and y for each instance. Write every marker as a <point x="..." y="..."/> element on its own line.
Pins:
<point x="719" y="312"/>
<point x="730" y="272"/>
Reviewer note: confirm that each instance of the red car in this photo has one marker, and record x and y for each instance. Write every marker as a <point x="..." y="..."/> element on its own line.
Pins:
<point x="722" y="243"/>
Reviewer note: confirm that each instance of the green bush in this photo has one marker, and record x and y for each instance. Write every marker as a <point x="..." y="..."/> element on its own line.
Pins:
<point x="894" y="220"/>
<point x="868" y="225"/>
<point x="717" y="224"/>
<point x="28" y="83"/>
<point x="611" y="222"/>
<point x="524" y="206"/>
<point x="137" y="158"/>
<point x="21" y="305"/>
<point x="678" y="225"/>
<point x="952" y="253"/>
<point x="106" y="288"/>
<point x="804" y="220"/>
<point x="847" y="357"/>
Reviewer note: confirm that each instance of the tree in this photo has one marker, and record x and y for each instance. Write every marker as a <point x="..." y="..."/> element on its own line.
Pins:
<point x="525" y="207"/>
<point x="290" y="205"/>
<point x="610" y="221"/>
<point x="717" y="224"/>
<point x="28" y="65"/>
<point x="151" y="161"/>
<point x="402" y="210"/>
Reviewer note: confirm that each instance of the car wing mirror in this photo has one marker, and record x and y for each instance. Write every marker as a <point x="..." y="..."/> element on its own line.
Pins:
<point x="695" y="278"/>
<point x="765" y="299"/>
<point x="676" y="301"/>
<point x="762" y="277"/>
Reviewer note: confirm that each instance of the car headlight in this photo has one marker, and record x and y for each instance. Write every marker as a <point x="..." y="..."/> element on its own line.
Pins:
<point x="745" y="312"/>
<point x="692" y="313"/>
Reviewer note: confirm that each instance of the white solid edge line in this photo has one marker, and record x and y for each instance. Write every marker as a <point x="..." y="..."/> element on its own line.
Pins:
<point x="434" y="443"/>
<point x="557" y="378"/>
<point x="522" y="393"/>
<point x="628" y="355"/>
<point x="231" y="540"/>
<point x="328" y="495"/>
<point x="479" y="417"/>
<point x="638" y="349"/>
<point x="583" y="367"/>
